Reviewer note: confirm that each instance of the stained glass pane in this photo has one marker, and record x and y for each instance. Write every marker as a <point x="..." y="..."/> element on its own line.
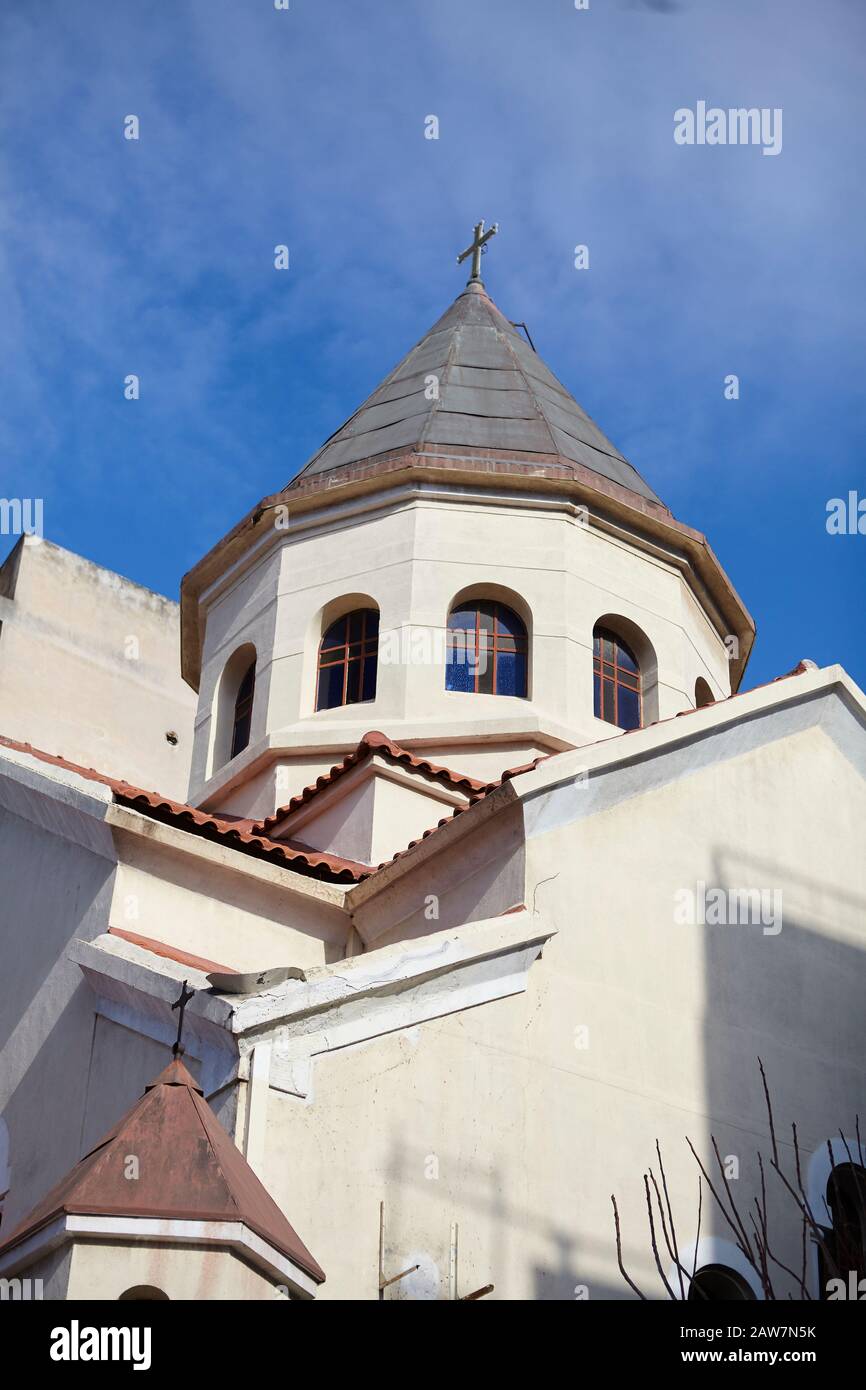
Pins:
<point x="506" y="674"/>
<point x="628" y="709"/>
<point x="459" y="675"/>
<point x="626" y="658"/>
<point x="511" y="674"/>
<point x="462" y="617"/>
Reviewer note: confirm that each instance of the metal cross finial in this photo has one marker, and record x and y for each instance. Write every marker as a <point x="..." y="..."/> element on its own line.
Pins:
<point x="475" y="250"/>
<point x="181" y="1003"/>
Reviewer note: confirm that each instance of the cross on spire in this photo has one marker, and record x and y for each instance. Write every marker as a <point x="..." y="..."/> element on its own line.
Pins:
<point x="478" y="245"/>
<point x="180" y="1003"/>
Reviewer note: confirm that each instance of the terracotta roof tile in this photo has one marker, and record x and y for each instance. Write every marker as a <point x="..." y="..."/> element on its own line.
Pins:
<point x="251" y="837"/>
<point x="159" y="948"/>
<point x="486" y="789"/>
<point x="234" y="833"/>
<point x="374" y="742"/>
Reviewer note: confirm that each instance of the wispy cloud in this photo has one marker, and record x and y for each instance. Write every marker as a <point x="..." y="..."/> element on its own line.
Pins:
<point x="306" y="127"/>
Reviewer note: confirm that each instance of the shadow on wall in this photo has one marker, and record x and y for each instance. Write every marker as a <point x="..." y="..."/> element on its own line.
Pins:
<point x="789" y="988"/>
<point x="53" y="891"/>
<point x="421" y="1205"/>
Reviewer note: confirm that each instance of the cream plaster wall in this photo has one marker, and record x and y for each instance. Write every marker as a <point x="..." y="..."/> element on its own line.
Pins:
<point x="90" y="668"/>
<point x="512" y="1121"/>
<point x="412" y="555"/>
<point x="105" y="1269"/>
<point x="207" y="905"/>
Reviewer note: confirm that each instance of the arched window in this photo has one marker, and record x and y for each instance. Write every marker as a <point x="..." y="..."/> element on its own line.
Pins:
<point x="488" y="649"/>
<point x="243" y="715"/>
<point x="348" y="660"/>
<point x="616" y="681"/>
<point x="718" y="1284"/>
<point x="703" y="693"/>
<point x="143" y="1293"/>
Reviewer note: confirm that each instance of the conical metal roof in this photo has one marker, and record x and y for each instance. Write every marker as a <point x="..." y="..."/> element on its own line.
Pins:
<point x="492" y="393"/>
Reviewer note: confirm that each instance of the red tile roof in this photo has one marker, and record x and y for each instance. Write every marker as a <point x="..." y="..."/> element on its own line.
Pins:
<point x="486" y="789"/>
<point x="384" y="747"/>
<point x="189" y="1170"/>
<point x="228" y="831"/>
<point x="251" y="837"/>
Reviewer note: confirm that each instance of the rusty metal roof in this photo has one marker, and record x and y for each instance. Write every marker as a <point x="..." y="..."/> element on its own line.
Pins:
<point x="189" y="1170"/>
<point x="492" y="392"/>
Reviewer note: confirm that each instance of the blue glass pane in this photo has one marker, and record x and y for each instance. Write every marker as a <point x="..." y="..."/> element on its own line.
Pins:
<point x="506" y="674"/>
<point x="485" y="616"/>
<point x="336" y="634"/>
<point x="508" y="622"/>
<point x="372" y="622"/>
<point x="596" y="695"/>
<point x="628" y="709"/>
<point x="463" y="616"/>
<point x="459" y="674"/>
<point x="368" y="691"/>
<point x="511" y="674"/>
<point x="626" y="658"/>
<point x="330" y="687"/>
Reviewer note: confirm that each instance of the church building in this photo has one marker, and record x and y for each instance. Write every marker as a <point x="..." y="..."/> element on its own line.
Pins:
<point x="483" y="867"/>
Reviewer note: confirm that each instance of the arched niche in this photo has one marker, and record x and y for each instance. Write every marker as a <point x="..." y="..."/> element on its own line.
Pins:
<point x="225" y="699"/>
<point x="703" y="693"/>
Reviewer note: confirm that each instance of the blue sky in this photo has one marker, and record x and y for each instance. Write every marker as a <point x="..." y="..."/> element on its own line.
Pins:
<point x="306" y="127"/>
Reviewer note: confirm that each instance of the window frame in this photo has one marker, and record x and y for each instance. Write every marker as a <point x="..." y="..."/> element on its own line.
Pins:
<point x="495" y="648"/>
<point x="339" y="654"/>
<point x="243" y="710"/>
<point x="619" y="675"/>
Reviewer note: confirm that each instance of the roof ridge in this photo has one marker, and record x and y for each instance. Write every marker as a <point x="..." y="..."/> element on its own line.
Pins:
<point x="536" y="405"/>
<point x="374" y="741"/>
